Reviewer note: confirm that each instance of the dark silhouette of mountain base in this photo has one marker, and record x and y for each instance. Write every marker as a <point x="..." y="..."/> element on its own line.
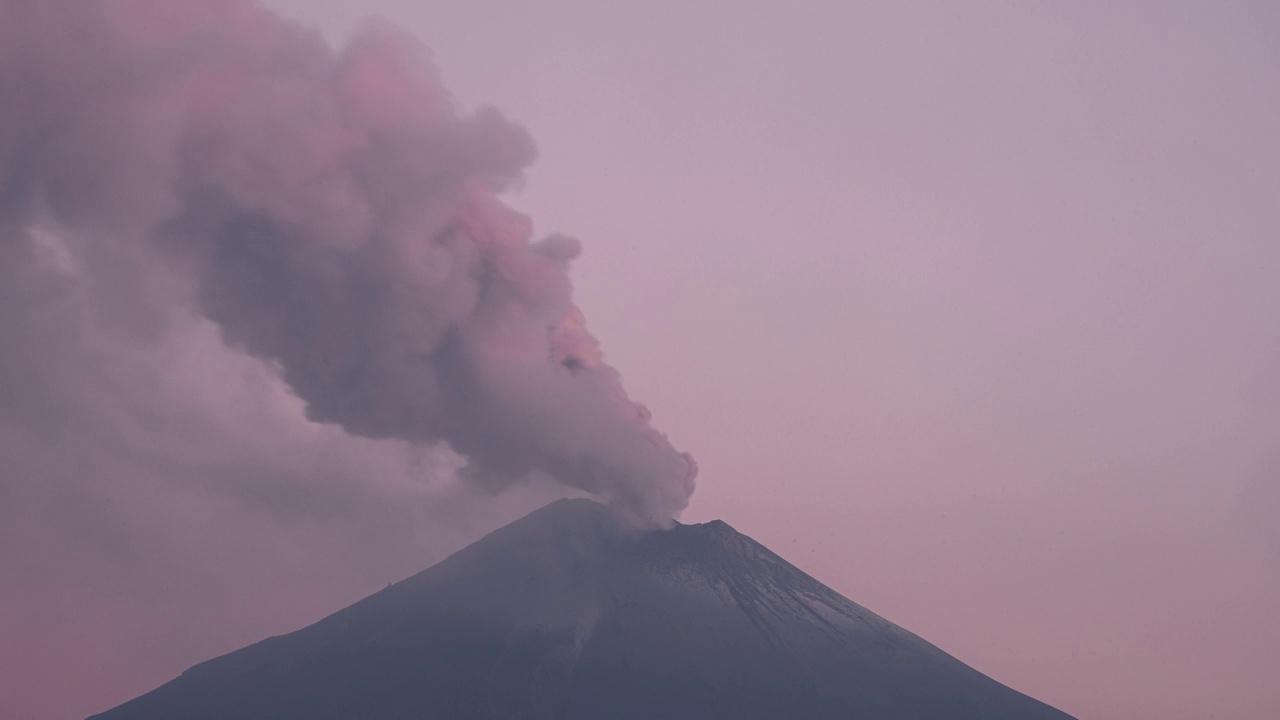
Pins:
<point x="570" y="614"/>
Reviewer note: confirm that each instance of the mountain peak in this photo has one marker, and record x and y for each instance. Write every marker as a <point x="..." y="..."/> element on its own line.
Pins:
<point x="580" y="508"/>
<point x="572" y="613"/>
<point x="577" y="516"/>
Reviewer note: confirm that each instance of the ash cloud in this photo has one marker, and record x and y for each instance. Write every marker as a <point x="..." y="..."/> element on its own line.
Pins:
<point x="332" y="212"/>
<point x="268" y="339"/>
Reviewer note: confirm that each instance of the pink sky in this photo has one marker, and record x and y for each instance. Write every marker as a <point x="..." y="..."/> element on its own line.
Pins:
<point x="971" y="310"/>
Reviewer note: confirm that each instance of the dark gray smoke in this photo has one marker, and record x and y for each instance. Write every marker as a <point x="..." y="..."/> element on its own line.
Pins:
<point x="335" y="215"/>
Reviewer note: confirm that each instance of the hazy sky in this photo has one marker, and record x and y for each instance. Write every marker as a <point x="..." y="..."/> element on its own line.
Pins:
<point x="971" y="310"/>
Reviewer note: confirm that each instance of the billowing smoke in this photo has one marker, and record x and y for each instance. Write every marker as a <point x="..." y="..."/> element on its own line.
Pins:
<point x="332" y="212"/>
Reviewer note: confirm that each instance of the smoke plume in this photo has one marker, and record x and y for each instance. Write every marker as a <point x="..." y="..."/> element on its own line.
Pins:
<point x="332" y="213"/>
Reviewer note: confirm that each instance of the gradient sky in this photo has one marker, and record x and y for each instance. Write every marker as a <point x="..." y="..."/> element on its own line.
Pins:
<point x="971" y="310"/>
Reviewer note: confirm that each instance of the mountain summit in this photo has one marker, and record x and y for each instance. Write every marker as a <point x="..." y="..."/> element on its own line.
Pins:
<point x="572" y="614"/>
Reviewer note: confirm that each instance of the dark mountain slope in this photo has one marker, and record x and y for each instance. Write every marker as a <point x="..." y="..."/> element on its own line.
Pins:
<point x="570" y="614"/>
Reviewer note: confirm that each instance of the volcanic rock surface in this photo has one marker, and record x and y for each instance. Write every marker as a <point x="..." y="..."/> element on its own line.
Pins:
<point x="571" y="614"/>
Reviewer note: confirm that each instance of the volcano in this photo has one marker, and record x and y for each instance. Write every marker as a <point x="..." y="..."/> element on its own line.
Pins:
<point x="572" y="614"/>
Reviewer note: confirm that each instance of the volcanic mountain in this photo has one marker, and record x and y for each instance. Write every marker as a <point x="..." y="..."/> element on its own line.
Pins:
<point x="572" y="614"/>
